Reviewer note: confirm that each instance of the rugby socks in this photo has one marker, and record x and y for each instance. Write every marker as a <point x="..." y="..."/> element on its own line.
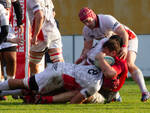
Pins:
<point x="46" y="99"/>
<point x="139" y="79"/>
<point x="4" y="85"/>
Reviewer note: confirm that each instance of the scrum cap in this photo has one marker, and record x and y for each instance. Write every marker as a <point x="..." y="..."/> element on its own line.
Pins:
<point x="85" y="13"/>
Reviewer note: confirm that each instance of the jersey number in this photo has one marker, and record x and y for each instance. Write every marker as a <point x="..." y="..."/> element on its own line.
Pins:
<point x="92" y="71"/>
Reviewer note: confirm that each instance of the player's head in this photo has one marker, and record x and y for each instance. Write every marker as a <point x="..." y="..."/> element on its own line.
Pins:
<point x="88" y="17"/>
<point x="117" y="38"/>
<point x="111" y="48"/>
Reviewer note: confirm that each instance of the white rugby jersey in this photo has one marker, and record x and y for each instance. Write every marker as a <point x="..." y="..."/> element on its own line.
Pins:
<point x="107" y="24"/>
<point x="95" y="50"/>
<point x="10" y="35"/>
<point x="84" y="75"/>
<point x="4" y="17"/>
<point x="49" y="27"/>
<point x="88" y="78"/>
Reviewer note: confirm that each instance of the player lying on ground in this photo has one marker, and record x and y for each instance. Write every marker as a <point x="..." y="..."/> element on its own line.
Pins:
<point x="86" y="80"/>
<point x="109" y="87"/>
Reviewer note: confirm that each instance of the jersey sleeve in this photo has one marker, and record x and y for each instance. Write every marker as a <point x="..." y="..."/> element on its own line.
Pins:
<point x="2" y="9"/>
<point x="85" y="33"/>
<point x="110" y="22"/>
<point x="4" y="20"/>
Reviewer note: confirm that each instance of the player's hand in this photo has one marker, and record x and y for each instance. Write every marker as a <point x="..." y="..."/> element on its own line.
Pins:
<point x="79" y="60"/>
<point x="20" y="29"/>
<point x="102" y="54"/>
<point x="123" y="53"/>
<point x="34" y="40"/>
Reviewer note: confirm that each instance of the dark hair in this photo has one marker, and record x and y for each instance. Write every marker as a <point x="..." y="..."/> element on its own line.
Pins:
<point x="117" y="38"/>
<point x="112" y="45"/>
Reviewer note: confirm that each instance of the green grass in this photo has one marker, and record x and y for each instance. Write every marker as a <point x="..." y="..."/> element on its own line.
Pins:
<point x="130" y="94"/>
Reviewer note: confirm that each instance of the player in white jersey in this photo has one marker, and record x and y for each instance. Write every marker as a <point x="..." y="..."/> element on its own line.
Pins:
<point x="4" y="22"/>
<point x="45" y="34"/>
<point x="100" y="26"/>
<point x="8" y="49"/>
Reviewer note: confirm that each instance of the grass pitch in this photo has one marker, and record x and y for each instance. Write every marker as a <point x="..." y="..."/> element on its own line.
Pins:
<point x="130" y="94"/>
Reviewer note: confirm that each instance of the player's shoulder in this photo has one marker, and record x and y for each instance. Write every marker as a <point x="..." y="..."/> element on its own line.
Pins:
<point x="106" y="17"/>
<point x="1" y="7"/>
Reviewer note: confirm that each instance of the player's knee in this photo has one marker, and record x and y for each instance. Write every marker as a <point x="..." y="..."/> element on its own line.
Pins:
<point x="131" y="66"/>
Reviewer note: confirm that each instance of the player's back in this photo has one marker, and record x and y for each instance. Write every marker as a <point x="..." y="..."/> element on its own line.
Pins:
<point x="84" y="75"/>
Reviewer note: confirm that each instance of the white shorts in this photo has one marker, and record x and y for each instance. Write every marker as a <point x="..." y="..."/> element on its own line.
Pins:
<point x="49" y="79"/>
<point x="42" y="45"/>
<point x="133" y="45"/>
<point x="51" y="36"/>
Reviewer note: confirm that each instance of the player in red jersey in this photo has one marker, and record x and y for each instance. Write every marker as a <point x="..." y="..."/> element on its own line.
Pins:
<point x="98" y="26"/>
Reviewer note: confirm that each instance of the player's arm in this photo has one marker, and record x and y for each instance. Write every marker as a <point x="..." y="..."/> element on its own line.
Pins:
<point x="123" y="34"/>
<point x="38" y="17"/>
<point x="4" y="33"/>
<point x="77" y="99"/>
<point x="85" y="93"/>
<point x="86" y="48"/>
<point x="106" y="68"/>
<point x="118" y="28"/>
<point x="18" y="11"/>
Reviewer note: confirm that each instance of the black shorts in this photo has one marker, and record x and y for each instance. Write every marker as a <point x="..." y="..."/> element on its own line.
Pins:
<point x="13" y="48"/>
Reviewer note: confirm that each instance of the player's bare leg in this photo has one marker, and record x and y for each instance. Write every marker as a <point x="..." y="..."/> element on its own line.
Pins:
<point x="10" y="59"/>
<point x="1" y="68"/>
<point x="137" y="75"/>
<point x="35" y="62"/>
<point x="12" y="84"/>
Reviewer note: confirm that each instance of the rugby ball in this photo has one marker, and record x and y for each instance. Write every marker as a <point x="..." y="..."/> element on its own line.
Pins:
<point x="110" y="60"/>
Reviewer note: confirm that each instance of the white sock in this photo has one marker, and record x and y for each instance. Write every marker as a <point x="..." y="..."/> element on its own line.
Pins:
<point x="139" y="79"/>
<point x="4" y="85"/>
<point x="117" y="95"/>
<point x="17" y="92"/>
